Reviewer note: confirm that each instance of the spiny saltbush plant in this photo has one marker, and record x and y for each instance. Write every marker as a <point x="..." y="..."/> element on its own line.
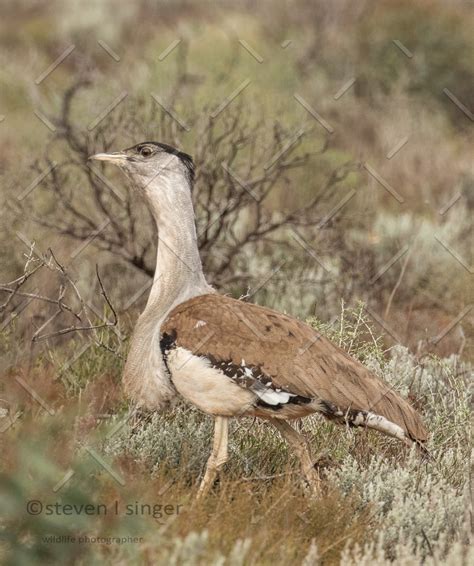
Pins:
<point x="193" y="550"/>
<point x="353" y="332"/>
<point x="405" y="553"/>
<point x="410" y="501"/>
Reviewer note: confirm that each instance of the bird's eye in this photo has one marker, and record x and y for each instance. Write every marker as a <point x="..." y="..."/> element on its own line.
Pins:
<point x="146" y="151"/>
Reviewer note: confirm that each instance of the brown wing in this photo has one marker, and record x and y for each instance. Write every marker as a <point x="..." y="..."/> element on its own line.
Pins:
<point x="295" y="356"/>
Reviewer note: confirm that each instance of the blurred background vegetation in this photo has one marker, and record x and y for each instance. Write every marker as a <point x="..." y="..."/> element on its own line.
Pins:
<point x="340" y="174"/>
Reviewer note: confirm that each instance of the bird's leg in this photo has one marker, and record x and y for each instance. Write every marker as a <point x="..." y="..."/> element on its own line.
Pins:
<point x="218" y="457"/>
<point x="301" y="447"/>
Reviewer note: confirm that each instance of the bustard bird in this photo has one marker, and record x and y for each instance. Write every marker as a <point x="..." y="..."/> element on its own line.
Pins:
<point x="231" y="358"/>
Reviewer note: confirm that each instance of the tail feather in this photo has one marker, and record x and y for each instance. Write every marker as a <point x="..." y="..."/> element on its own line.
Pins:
<point x="368" y="419"/>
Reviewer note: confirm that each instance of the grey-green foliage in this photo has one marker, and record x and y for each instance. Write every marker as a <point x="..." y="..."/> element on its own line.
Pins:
<point x="181" y="439"/>
<point x="410" y="500"/>
<point x="193" y="550"/>
<point x="405" y="554"/>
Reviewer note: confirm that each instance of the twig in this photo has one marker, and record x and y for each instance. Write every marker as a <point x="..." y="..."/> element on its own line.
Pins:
<point x="397" y="284"/>
<point x="14" y="289"/>
<point x="106" y="298"/>
<point x="233" y="140"/>
<point x="270" y="477"/>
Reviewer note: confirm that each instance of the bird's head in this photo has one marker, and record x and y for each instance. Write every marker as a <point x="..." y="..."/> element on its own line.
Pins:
<point x="147" y="161"/>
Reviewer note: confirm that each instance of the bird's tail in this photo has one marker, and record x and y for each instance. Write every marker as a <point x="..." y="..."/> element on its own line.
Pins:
<point x="368" y="419"/>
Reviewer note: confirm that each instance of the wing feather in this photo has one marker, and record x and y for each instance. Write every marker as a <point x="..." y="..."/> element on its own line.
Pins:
<point x="294" y="355"/>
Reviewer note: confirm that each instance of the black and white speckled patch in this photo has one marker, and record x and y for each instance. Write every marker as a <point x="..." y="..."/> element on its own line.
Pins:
<point x="351" y="417"/>
<point x="246" y="376"/>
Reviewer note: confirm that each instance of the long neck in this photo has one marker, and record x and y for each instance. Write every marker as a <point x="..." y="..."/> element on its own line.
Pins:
<point x="178" y="274"/>
<point x="178" y="277"/>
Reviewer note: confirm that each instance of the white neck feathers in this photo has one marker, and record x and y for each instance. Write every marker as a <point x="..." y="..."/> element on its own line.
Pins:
<point x="178" y="277"/>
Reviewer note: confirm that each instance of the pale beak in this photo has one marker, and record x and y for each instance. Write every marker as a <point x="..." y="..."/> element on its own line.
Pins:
<point x="117" y="157"/>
